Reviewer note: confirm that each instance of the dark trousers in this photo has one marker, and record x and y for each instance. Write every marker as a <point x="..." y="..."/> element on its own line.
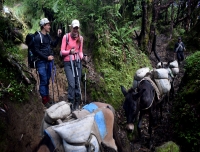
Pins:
<point x="180" y="56"/>
<point x="73" y="85"/>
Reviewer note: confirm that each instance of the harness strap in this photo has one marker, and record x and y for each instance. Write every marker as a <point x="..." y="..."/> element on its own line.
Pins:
<point x="40" y="37"/>
<point x="150" y="104"/>
<point x="148" y="79"/>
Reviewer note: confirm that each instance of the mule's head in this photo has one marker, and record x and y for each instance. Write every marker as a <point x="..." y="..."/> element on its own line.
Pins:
<point x="130" y="106"/>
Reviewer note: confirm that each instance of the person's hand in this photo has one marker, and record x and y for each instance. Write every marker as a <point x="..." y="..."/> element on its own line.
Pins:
<point x="50" y="57"/>
<point x="72" y="51"/>
<point x="59" y="32"/>
<point x="85" y="57"/>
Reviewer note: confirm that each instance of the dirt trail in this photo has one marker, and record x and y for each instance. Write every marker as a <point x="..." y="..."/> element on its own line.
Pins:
<point x="163" y="132"/>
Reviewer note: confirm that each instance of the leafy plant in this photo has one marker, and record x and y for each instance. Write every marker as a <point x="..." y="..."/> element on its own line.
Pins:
<point x="186" y="109"/>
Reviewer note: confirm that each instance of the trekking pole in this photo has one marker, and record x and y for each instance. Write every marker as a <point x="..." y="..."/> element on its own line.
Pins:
<point x="85" y="87"/>
<point x="52" y="78"/>
<point x="85" y="80"/>
<point x="79" y="85"/>
<point x="72" y="65"/>
<point x="56" y="81"/>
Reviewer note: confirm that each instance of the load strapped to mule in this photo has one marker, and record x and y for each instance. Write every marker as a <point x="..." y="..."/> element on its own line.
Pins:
<point x="160" y="78"/>
<point x="82" y="130"/>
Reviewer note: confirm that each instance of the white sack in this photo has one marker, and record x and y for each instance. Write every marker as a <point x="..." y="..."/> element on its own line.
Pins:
<point x="69" y="148"/>
<point x="59" y="110"/>
<point x="140" y="73"/>
<point x="158" y="66"/>
<point x="160" y="73"/>
<point x="173" y="64"/>
<point x="76" y="131"/>
<point x="163" y="85"/>
<point x="175" y="71"/>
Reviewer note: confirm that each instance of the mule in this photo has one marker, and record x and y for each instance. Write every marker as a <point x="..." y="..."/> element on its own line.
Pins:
<point x="142" y="101"/>
<point x="46" y="144"/>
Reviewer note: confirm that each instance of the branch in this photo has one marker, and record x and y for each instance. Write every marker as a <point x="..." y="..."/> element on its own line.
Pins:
<point x="19" y="67"/>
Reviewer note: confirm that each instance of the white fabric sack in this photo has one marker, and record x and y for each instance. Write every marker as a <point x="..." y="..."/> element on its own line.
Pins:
<point x="175" y="71"/>
<point x="160" y="73"/>
<point x="59" y="110"/>
<point x="173" y="64"/>
<point x="158" y="66"/>
<point x="135" y="84"/>
<point x="70" y="148"/>
<point x="163" y="85"/>
<point x="140" y="73"/>
<point x="76" y="131"/>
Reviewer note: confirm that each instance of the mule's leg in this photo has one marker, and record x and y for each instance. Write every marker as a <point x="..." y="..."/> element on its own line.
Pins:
<point x="150" y="122"/>
<point x="160" y="108"/>
<point x="150" y="127"/>
<point x="139" y="126"/>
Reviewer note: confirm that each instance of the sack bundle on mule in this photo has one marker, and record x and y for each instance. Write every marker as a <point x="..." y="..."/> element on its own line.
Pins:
<point x="161" y="78"/>
<point x="139" y="75"/>
<point x="82" y="130"/>
<point x="174" y="67"/>
<point x="171" y="66"/>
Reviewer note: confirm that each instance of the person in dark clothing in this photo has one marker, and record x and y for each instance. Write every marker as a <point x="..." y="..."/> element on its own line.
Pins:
<point x="43" y="44"/>
<point x="178" y="50"/>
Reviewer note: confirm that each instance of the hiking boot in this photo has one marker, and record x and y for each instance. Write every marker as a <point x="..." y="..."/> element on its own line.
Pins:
<point x="77" y="102"/>
<point x="46" y="102"/>
<point x="71" y="101"/>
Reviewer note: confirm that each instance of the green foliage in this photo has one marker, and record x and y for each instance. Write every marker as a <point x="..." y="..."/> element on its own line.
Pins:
<point x="10" y="75"/>
<point x="116" y="71"/>
<point x="186" y="106"/>
<point x="168" y="147"/>
<point x="193" y="66"/>
<point x="13" y="84"/>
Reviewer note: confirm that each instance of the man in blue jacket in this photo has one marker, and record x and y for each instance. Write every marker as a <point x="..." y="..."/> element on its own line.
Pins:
<point x="178" y="49"/>
<point x="43" y="44"/>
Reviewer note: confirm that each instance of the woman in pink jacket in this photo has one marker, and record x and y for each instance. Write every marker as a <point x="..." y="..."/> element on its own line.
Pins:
<point x="72" y="53"/>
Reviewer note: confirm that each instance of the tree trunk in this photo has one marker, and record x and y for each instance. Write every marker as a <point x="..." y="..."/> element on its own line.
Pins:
<point x="143" y="38"/>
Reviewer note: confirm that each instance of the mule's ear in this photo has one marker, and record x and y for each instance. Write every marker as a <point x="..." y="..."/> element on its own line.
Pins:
<point x="123" y="90"/>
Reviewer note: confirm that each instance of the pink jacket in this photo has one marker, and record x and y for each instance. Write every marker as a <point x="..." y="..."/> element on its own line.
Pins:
<point x="65" y="48"/>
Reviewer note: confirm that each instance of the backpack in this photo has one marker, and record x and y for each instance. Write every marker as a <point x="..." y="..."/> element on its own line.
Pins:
<point x="32" y="58"/>
<point x="67" y="42"/>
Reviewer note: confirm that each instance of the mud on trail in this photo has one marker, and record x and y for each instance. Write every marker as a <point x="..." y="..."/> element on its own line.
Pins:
<point x="24" y="120"/>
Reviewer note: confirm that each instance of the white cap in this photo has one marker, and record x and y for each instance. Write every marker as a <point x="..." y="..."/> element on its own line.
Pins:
<point x="75" y="23"/>
<point x="44" y="21"/>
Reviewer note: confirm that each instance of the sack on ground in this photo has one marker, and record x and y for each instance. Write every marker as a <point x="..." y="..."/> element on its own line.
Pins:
<point x="163" y="85"/>
<point x="140" y="73"/>
<point x="160" y="73"/>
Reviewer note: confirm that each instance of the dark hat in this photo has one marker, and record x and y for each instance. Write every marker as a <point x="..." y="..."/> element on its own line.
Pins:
<point x="179" y="38"/>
